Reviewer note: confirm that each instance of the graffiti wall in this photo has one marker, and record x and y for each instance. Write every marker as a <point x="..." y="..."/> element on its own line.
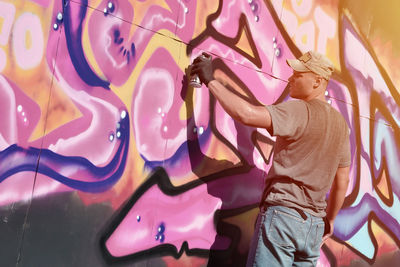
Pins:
<point x="108" y="157"/>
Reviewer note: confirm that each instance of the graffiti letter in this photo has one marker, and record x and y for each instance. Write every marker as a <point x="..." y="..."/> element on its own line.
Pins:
<point x="302" y="8"/>
<point x="305" y="36"/>
<point x="7" y="12"/>
<point x="28" y="41"/>
<point x="326" y="26"/>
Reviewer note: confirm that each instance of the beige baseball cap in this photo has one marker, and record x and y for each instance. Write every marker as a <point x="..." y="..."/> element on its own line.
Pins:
<point x="312" y="61"/>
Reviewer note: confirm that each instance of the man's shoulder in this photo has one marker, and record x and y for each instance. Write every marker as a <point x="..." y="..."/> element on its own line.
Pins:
<point x="341" y="121"/>
<point x="293" y="108"/>
<point x="295" y="103"/>
<point x="338" y="115"/>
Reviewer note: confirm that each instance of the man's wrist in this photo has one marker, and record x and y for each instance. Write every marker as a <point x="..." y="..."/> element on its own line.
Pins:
<point x="330" y="221"/>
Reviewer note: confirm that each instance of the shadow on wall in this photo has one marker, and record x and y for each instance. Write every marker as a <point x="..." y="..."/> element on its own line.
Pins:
<point x="220" y="177"/>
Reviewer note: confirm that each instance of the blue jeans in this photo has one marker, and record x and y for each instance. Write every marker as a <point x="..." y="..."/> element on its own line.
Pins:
<point x="283" y="238"/>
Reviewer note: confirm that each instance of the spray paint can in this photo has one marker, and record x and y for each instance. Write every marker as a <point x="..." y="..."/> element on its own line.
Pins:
<point x="194" y="79"/>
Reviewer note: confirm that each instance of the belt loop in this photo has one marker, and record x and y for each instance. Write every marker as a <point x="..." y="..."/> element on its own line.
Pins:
<point x="263" y="206"/>
<point x="302" y="213"/>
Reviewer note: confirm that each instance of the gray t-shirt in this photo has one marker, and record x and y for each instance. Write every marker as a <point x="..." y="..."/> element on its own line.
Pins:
<point x="312" y="142"/>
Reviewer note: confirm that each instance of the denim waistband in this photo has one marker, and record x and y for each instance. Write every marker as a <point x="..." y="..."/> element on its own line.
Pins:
<point x="302" y="214"/>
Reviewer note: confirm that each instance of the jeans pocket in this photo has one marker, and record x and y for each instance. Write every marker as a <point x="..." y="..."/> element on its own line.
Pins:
<point x="285" y="229"/>
<point x="319" y="232"/>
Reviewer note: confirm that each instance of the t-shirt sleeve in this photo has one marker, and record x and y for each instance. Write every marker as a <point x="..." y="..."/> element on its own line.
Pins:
<point x="289" y="119"/>
<point x="345" y="153"/>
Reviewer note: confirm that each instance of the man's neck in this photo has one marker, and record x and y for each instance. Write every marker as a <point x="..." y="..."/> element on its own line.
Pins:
<point x="317" y="94"/>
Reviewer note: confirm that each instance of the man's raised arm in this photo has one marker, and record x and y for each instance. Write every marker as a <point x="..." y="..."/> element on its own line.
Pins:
<point x="237" y="107"/>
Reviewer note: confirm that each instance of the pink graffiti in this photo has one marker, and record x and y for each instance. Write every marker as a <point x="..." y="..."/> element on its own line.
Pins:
<point x="115" y="42"/>
<point x="87" y="136"/>
<point x="240" y="189"/>
<point x="112" y="41"/>
<point x="139" y="229"/>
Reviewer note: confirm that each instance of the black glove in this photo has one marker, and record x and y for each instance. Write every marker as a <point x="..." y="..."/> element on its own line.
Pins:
<point x="203" y="68"/>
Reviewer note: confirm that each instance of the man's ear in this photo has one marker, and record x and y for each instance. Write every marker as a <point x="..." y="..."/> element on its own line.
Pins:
<point x="317" y="81"/>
